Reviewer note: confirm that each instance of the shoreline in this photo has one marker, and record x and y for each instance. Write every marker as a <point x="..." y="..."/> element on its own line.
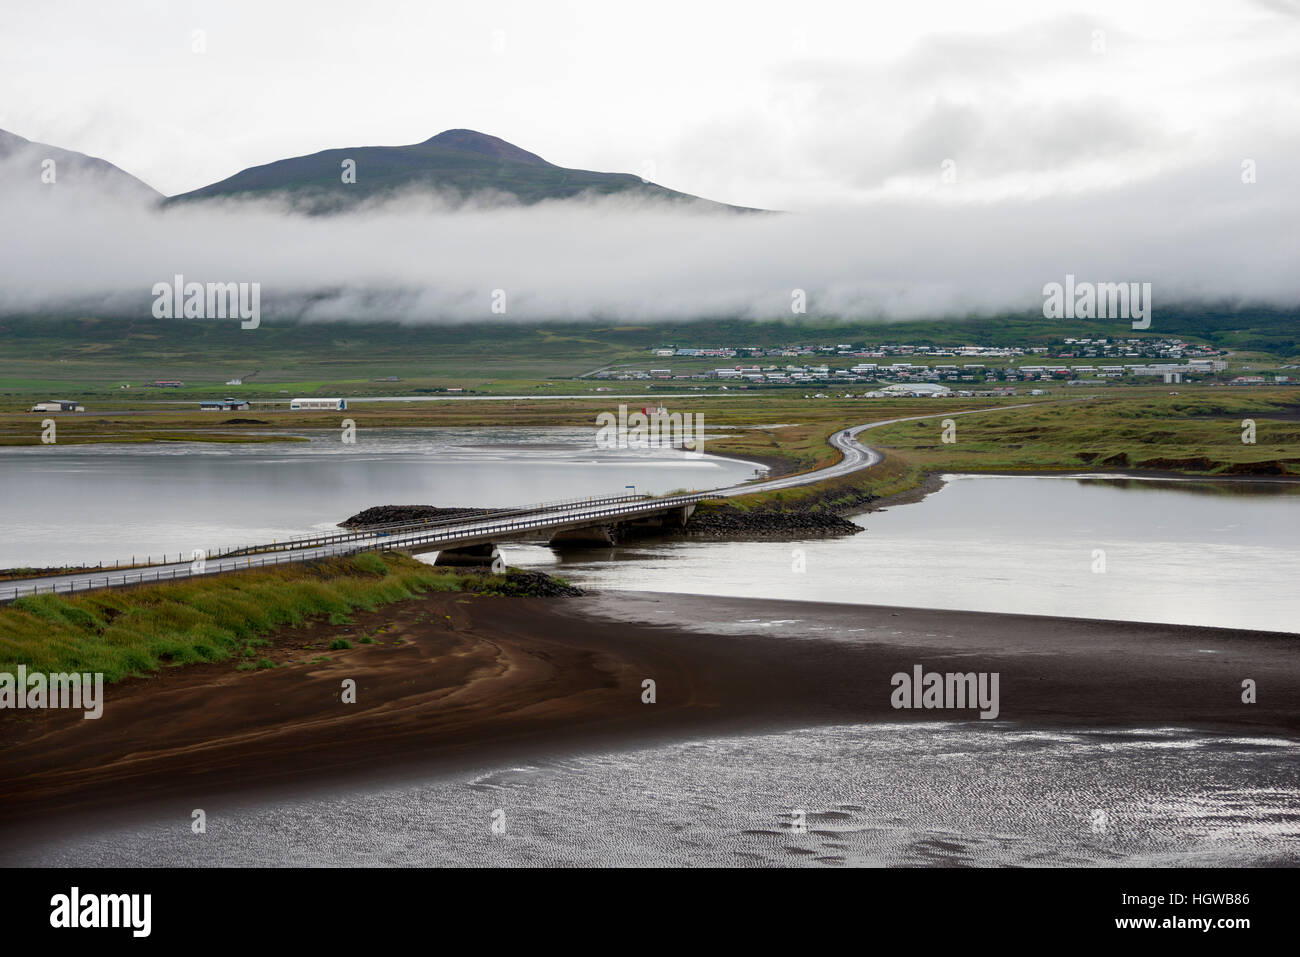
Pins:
<point x="778" y="465"/>
<point x="934" y="481"/>
<point x="455" y="682"/>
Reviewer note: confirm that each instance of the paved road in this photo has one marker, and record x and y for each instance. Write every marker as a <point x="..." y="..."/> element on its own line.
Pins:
<point x="855" y="456"/>
<point x="508" y="525"/>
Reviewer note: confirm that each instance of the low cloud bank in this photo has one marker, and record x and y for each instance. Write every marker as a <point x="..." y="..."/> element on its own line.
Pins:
<point x="1198" y="234"/>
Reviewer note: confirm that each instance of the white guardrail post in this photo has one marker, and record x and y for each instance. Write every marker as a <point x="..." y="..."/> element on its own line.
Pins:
<point x="449" y="531"/>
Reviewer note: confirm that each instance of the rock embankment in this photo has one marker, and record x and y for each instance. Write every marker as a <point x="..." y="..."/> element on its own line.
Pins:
<point x="725" y="522"/>
<point x="392" y="514"/>
<point x="823" y="516"/>
<point x="516" y="583"/>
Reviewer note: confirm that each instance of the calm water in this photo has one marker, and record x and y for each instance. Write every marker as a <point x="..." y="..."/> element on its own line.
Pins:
<point x="100" y="503"/>
<point x="1183" y="553"/>
<point x="873" y="795"/>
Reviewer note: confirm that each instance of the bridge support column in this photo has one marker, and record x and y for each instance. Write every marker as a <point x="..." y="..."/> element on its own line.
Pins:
<point x="591" y="536"/>
<point x="482" y="555"/>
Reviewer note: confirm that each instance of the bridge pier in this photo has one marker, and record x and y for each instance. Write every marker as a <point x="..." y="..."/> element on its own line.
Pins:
<point x="485" y="554"/>
<point x="610" y="534"/>
<point x="590" y="536"/>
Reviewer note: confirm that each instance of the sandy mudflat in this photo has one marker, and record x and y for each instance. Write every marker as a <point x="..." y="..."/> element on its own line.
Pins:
<point x="477" y="680"/>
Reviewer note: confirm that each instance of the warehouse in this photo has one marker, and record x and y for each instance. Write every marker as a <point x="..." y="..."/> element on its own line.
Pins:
<point x="228" y="405"/>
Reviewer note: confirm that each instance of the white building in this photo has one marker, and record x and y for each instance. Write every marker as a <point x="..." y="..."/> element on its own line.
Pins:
<point x="915" y="389"/>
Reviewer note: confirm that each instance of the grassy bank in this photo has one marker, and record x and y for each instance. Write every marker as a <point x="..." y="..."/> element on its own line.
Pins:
<point x="141" y="629"/>
<point x="797" y="431"/>
<point x="1196" y="435"/>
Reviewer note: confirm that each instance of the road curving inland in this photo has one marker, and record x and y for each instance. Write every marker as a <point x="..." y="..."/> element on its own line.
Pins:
<point x="517" y="524"/>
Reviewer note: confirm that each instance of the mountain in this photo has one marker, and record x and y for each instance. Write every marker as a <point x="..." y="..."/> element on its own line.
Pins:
<point x="22" y="163"/>
<point x="459" y="162"/>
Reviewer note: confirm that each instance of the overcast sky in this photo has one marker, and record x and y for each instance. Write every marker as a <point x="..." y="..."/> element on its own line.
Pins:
<point x="939" y="157"/>
<point x="778" y="105"/>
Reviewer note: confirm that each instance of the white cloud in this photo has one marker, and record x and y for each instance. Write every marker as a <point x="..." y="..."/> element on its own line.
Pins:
<point x="1199" y="233"/>
<point x="1121" y="163"/>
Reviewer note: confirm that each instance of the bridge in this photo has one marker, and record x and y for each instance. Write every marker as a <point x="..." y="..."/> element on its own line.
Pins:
<point x="472" y="539"/>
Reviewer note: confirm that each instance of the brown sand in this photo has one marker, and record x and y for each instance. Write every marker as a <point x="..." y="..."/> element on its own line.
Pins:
<point x="457" y="680"/>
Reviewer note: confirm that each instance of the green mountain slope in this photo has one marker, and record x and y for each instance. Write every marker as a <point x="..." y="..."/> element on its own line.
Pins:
<point x="462" y="163"/>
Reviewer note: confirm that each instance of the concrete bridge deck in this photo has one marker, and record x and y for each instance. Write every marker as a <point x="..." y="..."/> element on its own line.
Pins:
<point x="516" y="524"/>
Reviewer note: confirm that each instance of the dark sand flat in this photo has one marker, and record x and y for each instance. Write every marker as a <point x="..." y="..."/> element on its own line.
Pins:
<point x="458" y="681"/>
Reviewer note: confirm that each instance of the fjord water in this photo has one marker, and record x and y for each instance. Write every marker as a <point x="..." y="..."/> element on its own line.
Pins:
<point x="91" y="503"/>
<point x="937" y="793"/>
<point x="933" y="793"/>
<point x="1180" y="552"/>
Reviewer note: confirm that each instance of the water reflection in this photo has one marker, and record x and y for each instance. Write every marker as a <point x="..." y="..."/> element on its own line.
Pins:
<point x="1229" y="487"/>
<point x="1007" y="544"/>
<point x="873" y="795"/>
<point x="109" y="502"/>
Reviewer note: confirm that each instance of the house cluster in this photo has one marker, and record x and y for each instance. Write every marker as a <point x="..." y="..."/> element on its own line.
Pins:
<point x="1104" y="348"/>
<point x="1067" y="348"/>
<point x="1070" y="348"/>
<point x="904" y="372"/>
<point x="1176" y="359"/>
<point x="839" y="349"/>
<point x="925" y="390"/>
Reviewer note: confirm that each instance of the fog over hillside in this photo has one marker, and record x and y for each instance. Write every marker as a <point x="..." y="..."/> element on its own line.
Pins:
<point x="931" y="161"/>
<point x="1200" y="233"/>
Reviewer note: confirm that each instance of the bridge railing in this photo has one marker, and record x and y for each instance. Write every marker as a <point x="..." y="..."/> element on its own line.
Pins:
<point x="469" y="532"/>
<point x="327" y="538"/>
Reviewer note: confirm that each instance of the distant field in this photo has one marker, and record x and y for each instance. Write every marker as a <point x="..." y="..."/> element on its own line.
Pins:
<point x="1199" y="432"/>
<point x="1189" y="429"/>
<point x="93" y="357"/>
<point x="821" y="416"/>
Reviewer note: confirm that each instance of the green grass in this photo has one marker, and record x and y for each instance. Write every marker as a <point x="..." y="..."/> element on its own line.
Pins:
<point x="137" y="630"/>
<point x="141" y="629"/>
<point x="1196" y="431"/>
<point x="1193" y="434"/>
<point x="92" y="357"/>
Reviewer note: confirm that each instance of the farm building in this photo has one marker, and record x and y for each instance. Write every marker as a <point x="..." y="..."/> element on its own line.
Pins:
<point x="228" y="405"/>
